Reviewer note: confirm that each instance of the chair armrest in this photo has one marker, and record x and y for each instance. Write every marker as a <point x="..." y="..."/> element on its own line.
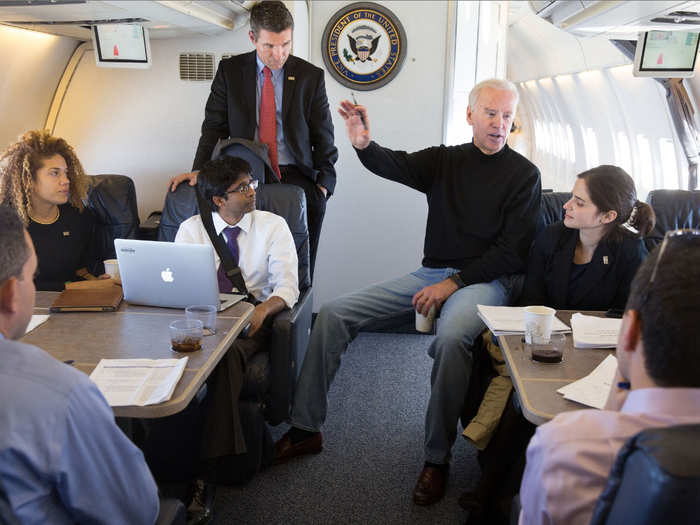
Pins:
<point x="290" y="337"/>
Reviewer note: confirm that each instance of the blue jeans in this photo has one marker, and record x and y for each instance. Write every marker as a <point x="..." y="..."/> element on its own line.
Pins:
<point x="340" y="320"/>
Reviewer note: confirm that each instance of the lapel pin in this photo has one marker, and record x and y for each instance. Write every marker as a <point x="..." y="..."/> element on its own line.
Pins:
<point x="605" y="259"/>
<point x="291" y="78"/>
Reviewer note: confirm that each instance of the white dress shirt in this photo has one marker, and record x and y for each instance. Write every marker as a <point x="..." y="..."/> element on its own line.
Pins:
<point x="267" y="254"/>
<point x="569" y="458"/>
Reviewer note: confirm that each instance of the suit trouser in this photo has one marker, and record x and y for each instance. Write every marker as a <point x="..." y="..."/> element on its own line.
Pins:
<point x="315" y="207"/>
<point x="340" y="320"/>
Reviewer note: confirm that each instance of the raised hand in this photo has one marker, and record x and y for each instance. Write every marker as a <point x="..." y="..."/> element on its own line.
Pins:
<point x="358" y="131"/>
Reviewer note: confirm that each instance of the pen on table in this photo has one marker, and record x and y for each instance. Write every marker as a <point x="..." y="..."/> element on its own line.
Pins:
<point x="362" y="117"/>
<point x="69" y="361"/>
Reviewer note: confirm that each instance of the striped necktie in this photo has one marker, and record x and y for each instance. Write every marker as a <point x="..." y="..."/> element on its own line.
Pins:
<point x="231" y="234"/>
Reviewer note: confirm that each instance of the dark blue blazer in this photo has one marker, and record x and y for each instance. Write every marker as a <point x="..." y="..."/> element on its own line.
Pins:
<point x="308" y="129"/>
<point x="605" y="283"/>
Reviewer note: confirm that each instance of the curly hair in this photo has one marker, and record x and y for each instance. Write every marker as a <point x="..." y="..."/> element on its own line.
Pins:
<point x="20" y="162"/>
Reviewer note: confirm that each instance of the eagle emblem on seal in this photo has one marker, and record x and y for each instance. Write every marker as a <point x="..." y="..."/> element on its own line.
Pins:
<point x="363" y="42"/>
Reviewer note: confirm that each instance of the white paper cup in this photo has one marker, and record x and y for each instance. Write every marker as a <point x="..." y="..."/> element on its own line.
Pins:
<point x="424" y="323"/>
<point x="112" y="269"/>
<point x="538" y="324"/>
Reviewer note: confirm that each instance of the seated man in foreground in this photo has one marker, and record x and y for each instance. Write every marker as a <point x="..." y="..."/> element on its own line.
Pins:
<point x="62" y="457"/>
<point x="569" y="458"/>
<point x="262" y="246"/>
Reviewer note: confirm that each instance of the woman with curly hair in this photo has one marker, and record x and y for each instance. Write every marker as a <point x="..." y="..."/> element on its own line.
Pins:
<point x="43" y="180"/>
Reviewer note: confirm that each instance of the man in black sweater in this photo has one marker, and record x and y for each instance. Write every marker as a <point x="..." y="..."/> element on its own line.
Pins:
<point x="483" y="200"/>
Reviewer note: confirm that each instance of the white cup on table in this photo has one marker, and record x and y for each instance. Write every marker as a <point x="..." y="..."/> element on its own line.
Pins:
<point x="538" y="324"/>
<point x="112" y="269"/>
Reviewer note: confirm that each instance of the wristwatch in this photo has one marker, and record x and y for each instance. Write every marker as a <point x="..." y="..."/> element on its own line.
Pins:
<point x="458" y="280"/>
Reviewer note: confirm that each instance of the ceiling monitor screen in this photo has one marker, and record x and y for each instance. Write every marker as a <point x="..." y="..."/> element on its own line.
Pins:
<point x="666" y="54"/>
<point x="121" y="45"/>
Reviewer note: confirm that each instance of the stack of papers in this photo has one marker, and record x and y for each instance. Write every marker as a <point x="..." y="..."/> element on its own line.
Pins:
<point x="593" y="390"/>
<point x="509" y="320"/>
<point x="594" y="332"/>
<point x="138" y="382"/>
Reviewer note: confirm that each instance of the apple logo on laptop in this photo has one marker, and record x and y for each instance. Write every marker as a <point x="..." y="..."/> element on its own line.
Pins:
<point x="167" y="275"/>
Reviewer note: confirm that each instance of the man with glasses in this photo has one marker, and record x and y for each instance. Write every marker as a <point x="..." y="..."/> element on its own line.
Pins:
<point x="262" y="246"/>
<point x="657" y="385"/>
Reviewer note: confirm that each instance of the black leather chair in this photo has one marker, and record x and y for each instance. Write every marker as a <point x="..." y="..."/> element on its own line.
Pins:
<point x="655" y="479"/>
<point x="551" y="208"/>
<point x="674" y="209"/>
<point x="271" y="376"/>
<point x="112" y="199"/>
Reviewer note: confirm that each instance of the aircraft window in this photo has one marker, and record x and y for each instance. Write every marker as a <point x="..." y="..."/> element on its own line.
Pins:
<point x="668" y="164"/>
<point x="571" y="144"/>
<point x="590" y="145"/>
<point x="623" y="155"/>
<point x="645" y="175"/>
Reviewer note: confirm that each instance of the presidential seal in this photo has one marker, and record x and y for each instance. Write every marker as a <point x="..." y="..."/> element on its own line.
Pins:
<point x="364" y="46"/>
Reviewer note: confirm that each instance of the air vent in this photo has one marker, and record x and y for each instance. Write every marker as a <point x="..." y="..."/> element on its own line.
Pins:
<point x="227" y="55"/>
<point x="196" y="66"/>
<point x="675" y="21"/>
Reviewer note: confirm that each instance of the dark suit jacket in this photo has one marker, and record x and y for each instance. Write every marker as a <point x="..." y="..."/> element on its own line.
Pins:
<point x="602" y="286"/>
<point x="308" y="128"/>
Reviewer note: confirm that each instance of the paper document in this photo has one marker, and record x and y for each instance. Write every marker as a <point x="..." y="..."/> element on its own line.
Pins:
<point x="594" y="332"/>
<point x="593" y="390"/>
<point x="507" y="320"/>
<point x="137" y="382"/>
<point x="35" y="321"/>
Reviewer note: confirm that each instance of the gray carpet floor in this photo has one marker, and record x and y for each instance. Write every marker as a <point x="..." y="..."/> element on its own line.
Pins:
<point x="373" y="449"/>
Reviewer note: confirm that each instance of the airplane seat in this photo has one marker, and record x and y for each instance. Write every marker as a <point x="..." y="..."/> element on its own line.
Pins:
<point x="270" y="376"/>
<point x="655" y="479"/>
<point x="112" y="199"/>
<point x="551" y="208"/>
<point x="674" y="209"/>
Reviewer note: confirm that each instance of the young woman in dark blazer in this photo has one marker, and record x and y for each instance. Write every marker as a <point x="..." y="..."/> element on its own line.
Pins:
<point x="588" y="260"/>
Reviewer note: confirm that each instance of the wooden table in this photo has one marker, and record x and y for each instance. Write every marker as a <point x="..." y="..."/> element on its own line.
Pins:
<point x="131" y="332"/>
<point x="536" y="383"/>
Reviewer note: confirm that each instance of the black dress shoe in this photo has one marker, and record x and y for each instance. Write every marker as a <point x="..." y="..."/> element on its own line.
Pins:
<point x="285" y="450"/>
<point x="201" y="510"/>
<point x="430" y="487"/>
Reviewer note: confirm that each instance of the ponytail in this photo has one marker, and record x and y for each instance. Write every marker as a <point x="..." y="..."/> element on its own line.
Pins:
<point x="641" y="220"/>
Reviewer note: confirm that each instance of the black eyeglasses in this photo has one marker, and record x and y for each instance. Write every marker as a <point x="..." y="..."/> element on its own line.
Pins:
<point x="245" y="188"/>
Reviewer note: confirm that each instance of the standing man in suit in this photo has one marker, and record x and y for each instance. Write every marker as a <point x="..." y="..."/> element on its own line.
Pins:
<point x="280" y="100"/>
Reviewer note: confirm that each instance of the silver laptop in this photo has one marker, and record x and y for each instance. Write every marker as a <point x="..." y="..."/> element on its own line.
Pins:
<point x="173" y="275"/>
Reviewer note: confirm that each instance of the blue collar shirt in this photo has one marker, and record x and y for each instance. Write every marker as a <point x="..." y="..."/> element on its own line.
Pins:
<point x="283" y="154"/>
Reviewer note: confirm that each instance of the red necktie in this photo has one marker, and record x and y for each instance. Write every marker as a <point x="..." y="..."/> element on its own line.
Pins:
<point x="267" y="132"/>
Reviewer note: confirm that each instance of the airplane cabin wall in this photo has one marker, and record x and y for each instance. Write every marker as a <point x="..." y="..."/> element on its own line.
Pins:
<point x="582" y="107"/>
<point x="374" y="228"/>
<point x="31" y="65"/>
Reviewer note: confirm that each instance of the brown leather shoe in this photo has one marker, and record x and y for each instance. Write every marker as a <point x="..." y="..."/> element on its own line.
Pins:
<point x="285" y="450"/>
<point x="430" y="487"/>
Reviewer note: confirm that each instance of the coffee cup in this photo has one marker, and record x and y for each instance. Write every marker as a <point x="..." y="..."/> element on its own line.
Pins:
<point x="424" y="323"/>
<point x="538" y="324"/>
<point x="112" y="269"/>
<point x="186" y="335"/>
<point x="205" y="313"/>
